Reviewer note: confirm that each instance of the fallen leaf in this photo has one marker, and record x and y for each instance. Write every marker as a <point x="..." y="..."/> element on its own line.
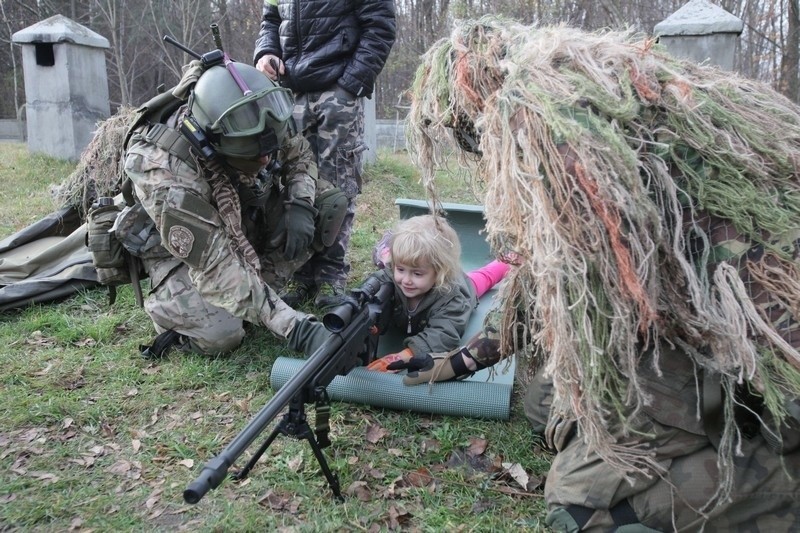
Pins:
<point x="360" y="490"/>
<point x="275" y="501"/>
<point x="97" y="450"/>
<point x="188" y="463"/>
<point x="37" y="339"/>
<point x="153" y="499"/>
<point x="375" y="433"/>
<point x="518" y="474"/>
<point x="136" y="444"/>
<point x="430" y="445"/>
<point x="47" y="477"/>
<point x="419" y="478"/>
<point x="374" y="472"/>
<point x="482" y="505"/>
<point x="31" y="434"/>
<point x="155" y="514"/>
<point x="85" y="342"/>
<point x="398" y="518"/>
<point x="120" y="467"/>
<point x="66" y="423"/>
<point x="44" y="371"/>
<point x="132" y="392"/>
<point x="477" y="446"/>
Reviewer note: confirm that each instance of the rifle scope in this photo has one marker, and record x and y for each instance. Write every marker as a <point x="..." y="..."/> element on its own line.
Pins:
<point x="340" y="316"/>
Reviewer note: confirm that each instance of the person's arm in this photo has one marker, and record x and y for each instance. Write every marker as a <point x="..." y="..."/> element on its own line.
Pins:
<point x="378" y="28"/>
<point x="268" y="41"/>
<point x="298" y="168"/>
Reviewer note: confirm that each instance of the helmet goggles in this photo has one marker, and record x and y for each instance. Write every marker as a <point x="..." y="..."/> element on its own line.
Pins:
<point x="249" y="116"/>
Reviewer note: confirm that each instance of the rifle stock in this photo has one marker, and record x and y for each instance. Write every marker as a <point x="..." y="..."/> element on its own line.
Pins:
<point x="355" y="327"/>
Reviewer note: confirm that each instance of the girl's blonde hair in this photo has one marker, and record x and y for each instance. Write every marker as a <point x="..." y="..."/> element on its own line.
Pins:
<point x="428" y="239"/>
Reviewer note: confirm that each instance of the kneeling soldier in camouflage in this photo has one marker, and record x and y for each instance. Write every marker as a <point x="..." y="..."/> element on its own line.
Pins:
<point x="222" y="209"/>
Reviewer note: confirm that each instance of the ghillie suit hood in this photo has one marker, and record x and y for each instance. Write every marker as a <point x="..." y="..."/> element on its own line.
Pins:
<point x="614" y="255"/>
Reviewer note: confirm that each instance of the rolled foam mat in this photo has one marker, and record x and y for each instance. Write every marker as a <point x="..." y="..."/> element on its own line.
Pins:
<point x="476" y="399"/>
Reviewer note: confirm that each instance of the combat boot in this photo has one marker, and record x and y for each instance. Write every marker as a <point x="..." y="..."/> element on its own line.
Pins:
<point x="299" y="293"/>
<point x="331" y="294"/>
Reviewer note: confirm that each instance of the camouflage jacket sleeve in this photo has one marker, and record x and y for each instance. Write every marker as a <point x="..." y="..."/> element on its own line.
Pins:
<point x="484" y="346"/>
<point x="298" y="173"/>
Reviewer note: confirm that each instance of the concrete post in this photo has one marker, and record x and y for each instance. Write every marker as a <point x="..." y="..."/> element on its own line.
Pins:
<point x="702" y="32"/>
<point x="370" y="130"/>
<point x="66" y="86"/>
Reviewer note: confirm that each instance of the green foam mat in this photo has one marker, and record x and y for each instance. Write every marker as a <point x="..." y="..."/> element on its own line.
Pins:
<point x="469" y="398"/>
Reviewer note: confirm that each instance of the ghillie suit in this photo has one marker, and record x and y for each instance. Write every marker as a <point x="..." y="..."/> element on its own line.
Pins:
<point x="99" y="169"/>
<point x="654" y="209"/>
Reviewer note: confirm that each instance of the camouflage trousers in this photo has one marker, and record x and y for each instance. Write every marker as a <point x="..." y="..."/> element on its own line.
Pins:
<point x="176" y="304"/>
<point x="584" y="493"/>
<point x="333" y="123"/>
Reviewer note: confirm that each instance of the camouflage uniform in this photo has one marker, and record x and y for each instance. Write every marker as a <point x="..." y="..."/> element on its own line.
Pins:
<point x="677" y="426"/>
<point x="585" y="492"/>
<point x="333" y="123"/>
<point x="201" y="286"/>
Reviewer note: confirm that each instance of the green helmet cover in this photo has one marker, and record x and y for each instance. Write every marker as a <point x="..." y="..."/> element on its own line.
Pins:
<point x="239" y="125"/>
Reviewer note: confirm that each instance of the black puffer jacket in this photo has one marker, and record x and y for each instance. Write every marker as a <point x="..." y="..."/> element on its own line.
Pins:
<point x="328" y="42"/>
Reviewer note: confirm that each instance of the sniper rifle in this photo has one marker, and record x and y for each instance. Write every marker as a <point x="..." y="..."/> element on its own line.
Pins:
<point x="355" y="326"/>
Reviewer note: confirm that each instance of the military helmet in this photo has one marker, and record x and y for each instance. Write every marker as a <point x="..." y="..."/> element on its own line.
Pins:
<point x="239" y="125"/>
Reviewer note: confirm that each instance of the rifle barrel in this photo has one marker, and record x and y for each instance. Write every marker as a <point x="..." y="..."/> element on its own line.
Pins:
<point x="216" y="469"/>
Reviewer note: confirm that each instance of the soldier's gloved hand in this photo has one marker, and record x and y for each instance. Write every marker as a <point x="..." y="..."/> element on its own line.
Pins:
<point x="382" y="364"/>
<point x="297" y="224"/>
<point x="307" y="335"/>
<point x="432" y="367"/>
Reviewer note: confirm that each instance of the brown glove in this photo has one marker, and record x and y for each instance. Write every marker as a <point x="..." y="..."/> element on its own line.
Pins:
<point x="428" y="368"/>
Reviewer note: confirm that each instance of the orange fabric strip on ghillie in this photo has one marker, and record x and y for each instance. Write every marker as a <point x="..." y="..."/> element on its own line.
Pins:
<point x="650" y="201"/>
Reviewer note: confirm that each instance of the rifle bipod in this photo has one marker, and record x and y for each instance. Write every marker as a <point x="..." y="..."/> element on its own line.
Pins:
<point x="295" y="424"/>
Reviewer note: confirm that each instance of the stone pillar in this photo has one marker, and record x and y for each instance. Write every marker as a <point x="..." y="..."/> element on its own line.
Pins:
<point x="702" y="32"/>
<point x="66" y="86"/>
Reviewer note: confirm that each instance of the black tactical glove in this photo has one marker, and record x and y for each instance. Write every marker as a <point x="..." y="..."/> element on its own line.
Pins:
<point x="297" y="224"/>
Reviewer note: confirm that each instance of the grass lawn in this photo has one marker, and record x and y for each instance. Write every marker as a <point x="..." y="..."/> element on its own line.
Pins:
<point x="95" y="438"/>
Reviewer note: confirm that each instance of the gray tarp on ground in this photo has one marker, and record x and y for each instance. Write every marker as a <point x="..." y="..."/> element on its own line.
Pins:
<point x="45" y="261"/>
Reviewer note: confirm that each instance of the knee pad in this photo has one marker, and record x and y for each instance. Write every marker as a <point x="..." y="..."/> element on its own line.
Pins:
<point x="331" y="205"/>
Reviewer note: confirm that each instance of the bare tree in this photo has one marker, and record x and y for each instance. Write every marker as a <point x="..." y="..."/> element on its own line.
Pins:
<point x="140" y="61"/>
